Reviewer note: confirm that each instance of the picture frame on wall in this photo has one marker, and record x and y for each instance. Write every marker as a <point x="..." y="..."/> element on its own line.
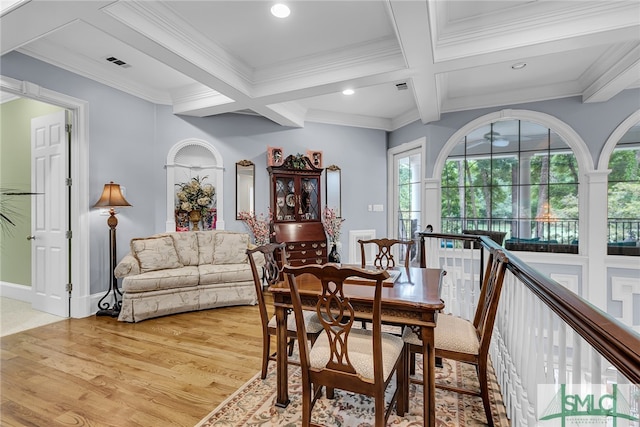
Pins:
<point x="316" y="157"/>
<point x="275" y="156"/>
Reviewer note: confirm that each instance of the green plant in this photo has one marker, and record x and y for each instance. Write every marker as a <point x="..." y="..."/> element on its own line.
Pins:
<point x="8" y="211"/>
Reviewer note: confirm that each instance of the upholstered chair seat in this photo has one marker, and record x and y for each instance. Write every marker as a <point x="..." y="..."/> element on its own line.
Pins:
<point x="452" y="334"/>
<point x="360" y="352"/>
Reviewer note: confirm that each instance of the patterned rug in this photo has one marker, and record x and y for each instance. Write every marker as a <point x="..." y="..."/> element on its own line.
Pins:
<point x="253" y="403"/>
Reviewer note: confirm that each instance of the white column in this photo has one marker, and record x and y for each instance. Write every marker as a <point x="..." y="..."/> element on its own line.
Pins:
<point x="593" y="237"/>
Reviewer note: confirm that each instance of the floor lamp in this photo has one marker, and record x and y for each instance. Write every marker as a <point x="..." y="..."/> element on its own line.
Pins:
<point x="111" y="198"/>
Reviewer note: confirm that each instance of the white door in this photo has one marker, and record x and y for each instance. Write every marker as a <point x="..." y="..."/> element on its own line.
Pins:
<point x="49" y="214"/>
<point x="406" y="196"/>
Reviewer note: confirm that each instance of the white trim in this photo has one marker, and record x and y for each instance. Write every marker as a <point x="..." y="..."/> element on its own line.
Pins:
<point x="16" y="291"/>
<point x="218" y="169"/>
<point x="80" y="257"/>
<point x="420" y="143"/>
<point x="570" y="136"/>
<point x="614" y="138"/>
<point x="354" y="246"/>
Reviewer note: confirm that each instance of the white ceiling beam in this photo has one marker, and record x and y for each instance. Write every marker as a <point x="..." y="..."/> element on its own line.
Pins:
<point x="32" y="20"/>
<point x="618" y="77"/>
<point x="411" y="21"/>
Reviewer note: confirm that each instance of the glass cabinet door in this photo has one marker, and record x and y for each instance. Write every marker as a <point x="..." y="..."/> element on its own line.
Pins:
<point x="309" y="208"/>
<point x="285" y="199"/>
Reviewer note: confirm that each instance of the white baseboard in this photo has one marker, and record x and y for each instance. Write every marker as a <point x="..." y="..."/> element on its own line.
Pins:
<point x="15" y="291"/>
<point x="80" y="307"/>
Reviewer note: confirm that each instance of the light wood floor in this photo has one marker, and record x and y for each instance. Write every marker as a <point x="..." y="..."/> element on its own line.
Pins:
<point x="164" y="372"/>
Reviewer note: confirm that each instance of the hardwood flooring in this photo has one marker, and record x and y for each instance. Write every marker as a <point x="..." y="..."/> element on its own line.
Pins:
<point x="96" y="371"/>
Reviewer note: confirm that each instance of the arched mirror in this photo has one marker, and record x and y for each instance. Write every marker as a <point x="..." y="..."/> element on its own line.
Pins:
<point x="245" y="186"/>
<point x="332" y="187"/>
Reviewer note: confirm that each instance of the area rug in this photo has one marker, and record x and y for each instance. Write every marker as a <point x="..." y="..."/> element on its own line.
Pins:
<point x="253" y="403"/>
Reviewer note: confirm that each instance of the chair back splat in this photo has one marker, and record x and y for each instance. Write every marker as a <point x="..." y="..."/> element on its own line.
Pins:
<point x="384" y="258"/>
<point x="344" y="357"/>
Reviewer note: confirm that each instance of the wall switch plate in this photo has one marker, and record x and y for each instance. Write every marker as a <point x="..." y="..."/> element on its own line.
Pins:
<point x="370" y="208"/>
<point x="378" y="208"/>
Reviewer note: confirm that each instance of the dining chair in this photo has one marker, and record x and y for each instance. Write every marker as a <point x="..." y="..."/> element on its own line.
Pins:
<point x="384" y="257"/>
<point x="342" y="356"/>
<point x="271" y="274"/>
<point x="465" y="341"/>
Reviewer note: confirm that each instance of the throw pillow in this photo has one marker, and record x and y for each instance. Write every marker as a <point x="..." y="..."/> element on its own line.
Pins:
<point x="230" y="248"/>
<point x="205" y="247"/>
<point x="155" y="253"/>
<point x="186" y="244"/>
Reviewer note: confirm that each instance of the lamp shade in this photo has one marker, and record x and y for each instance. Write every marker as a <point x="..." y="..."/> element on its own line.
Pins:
<point x="111" y="197"/>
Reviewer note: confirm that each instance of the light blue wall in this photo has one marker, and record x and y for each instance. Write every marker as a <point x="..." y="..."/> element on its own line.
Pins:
<point x="130" y="139"/>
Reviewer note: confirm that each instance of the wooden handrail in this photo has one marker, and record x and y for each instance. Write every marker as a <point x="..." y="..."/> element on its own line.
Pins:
<point x="616" y="342"/>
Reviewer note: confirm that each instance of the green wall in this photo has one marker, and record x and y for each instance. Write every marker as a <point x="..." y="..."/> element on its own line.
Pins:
<point x="15" y="174"/>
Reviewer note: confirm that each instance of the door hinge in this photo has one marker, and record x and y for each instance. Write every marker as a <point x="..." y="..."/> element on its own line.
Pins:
<point x="67" y="127"/>
<point x="68" y="182"/>
<point x="69" y="287"/>
<point x="68" y="234"/>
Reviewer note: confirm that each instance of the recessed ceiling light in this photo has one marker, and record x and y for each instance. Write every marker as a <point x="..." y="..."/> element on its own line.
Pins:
<point x="280" y="10"/>
<point x="519" y="65"/>
<point x="348" y="92"/>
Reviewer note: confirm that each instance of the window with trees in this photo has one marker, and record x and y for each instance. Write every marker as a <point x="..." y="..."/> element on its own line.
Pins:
<point x="624" y="196"/>
<point x="517" y="178"/>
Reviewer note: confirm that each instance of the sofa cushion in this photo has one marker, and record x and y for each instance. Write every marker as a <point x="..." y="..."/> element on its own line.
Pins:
<point x="205" y="247"/>
<point x="186" y="244"/>
<point x="155" y="253"/>
<point x="230" y="248"/>
<point x="211" y="274"/>
<point x="175" y="278"/>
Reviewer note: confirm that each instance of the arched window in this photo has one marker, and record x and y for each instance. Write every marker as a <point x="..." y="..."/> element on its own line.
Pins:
<point x="624" y="195"/>
<point x="517" y="181"/>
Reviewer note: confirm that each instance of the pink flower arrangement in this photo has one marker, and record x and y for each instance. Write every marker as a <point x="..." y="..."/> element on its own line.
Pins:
<point x="331" y="224"/>
<point x="260" y="226"/>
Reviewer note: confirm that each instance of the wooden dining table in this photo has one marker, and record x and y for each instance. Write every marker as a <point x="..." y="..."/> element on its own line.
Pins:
<point x="412" y="300"/>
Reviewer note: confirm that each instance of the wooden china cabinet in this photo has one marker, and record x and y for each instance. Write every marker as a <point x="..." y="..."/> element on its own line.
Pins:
<point x="297" y="210"/>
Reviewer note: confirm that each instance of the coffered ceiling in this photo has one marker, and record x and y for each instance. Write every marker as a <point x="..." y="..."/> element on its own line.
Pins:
<point x="406" y="60"/>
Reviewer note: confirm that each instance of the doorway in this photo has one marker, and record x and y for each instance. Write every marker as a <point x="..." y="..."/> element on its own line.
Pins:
<point x="80" y="301"/>
<point x="405" y="170"/>
<point x="35" y="160"/>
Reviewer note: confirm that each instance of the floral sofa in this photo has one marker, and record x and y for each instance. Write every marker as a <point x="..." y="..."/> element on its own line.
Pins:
<point x="184" y="271"/>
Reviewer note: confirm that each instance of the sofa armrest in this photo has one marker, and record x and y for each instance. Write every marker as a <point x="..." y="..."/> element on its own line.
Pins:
<point x="128" y="266"/>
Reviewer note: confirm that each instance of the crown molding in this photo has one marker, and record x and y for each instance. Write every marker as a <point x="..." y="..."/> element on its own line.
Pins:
<point x="162" y="24"/>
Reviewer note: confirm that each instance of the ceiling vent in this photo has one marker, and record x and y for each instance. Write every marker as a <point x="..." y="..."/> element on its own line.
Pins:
<point x="117" y="61"/>
<point x="401" y="86"/>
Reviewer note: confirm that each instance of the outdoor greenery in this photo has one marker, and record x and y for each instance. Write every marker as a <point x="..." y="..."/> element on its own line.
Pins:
<point x="488" y="192"/>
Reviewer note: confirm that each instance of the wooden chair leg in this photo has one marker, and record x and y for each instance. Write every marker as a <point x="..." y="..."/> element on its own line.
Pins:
<point x="412" y="362"/>
<point x="484" y="392"/>
<point x="402" y="384"/>
<point x="266" y="342"/>
<point x="292" y="343"/>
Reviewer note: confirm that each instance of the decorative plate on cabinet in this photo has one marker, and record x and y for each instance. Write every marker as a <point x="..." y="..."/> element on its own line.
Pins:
<point x="291" y="201"/>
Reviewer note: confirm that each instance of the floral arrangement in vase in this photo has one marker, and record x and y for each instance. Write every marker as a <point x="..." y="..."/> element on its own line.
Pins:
<point x="332" y="224"/>
<point x="195" y="197"/>
<point x="260" y="226"/>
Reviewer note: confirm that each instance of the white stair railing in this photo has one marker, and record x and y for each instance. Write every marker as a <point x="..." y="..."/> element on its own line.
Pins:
<point x="546" y="339"/>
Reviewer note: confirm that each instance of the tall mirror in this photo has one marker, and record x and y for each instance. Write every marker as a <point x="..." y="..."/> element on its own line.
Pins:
<point x="332" y="187"/>
<point x="245" y="186"/>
